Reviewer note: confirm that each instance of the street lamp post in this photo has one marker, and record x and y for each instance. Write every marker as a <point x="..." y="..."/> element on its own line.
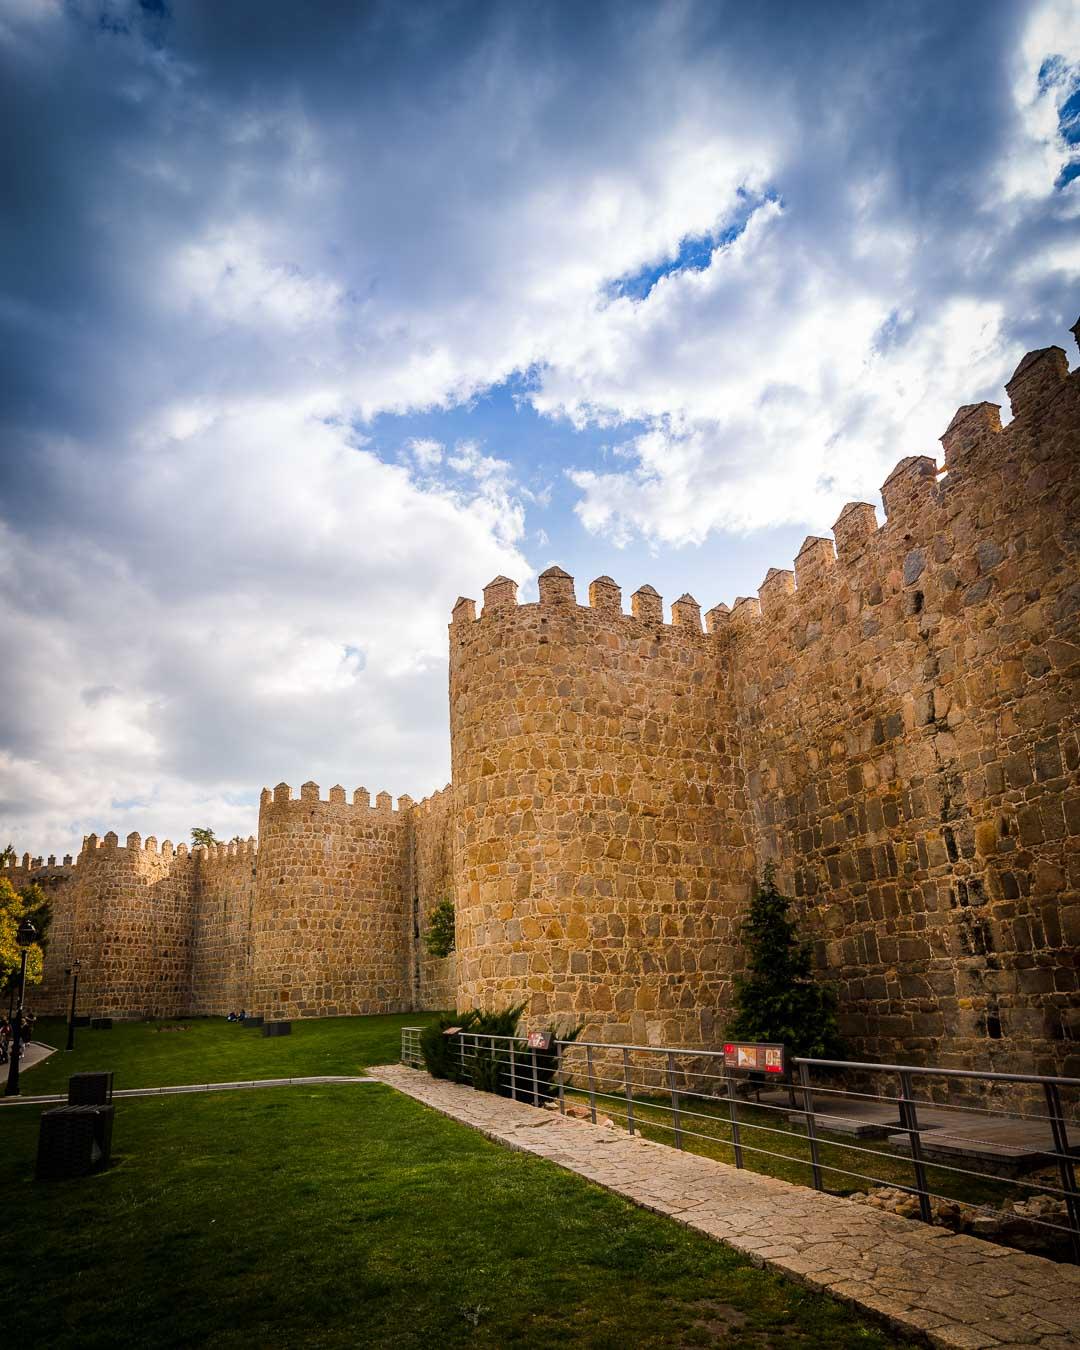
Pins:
<point x="24" y="937"/>
<point x="74" y="973"/>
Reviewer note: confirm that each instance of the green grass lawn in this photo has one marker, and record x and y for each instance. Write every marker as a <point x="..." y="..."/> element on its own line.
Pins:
<point x="211" y="1050"/>
<point x="352" y="1216"/>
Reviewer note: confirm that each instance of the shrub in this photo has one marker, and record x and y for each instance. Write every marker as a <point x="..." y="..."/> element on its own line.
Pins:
<point x="547" y="1062"/>
<point x="440" y="936"/>
<point x="489" y="1064"/>
<point x="441" y="1053"/>
<point x="779" y="1000"/>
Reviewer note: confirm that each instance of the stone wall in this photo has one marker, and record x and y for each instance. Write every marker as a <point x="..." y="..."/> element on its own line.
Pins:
<point x="431" y="879"/>
<point x="601" y="855"/>
<point x="329" y="922"/>
<point x="908" y="712"/>
<point x="221" y="976"/>
<point x="130" y="923"/>
<point x="53" y="995"/>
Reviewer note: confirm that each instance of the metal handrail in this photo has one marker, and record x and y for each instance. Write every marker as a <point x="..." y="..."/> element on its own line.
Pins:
<point x="681" y="1084"/>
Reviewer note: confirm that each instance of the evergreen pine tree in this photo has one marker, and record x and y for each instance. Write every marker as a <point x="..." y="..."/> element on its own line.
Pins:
<point x="778" y="999"/>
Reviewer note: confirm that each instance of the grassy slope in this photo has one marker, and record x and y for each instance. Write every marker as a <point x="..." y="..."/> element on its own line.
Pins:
<point x="216" y="1051"/>
<point x="345" y="1216"/>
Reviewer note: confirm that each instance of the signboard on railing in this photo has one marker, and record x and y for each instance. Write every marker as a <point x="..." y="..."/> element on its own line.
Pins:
<point x="751" y="1057"/>
<point x="538" y="1040"/>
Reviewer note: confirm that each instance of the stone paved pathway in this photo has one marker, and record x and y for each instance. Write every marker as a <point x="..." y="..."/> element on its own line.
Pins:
<point x="34" y="1052"/>
<point x="954" y="1290"/>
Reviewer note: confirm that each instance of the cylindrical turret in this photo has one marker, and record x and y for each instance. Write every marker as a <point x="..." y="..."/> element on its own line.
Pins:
<point x="601" y="859"/>
<point x="329" y="934"/>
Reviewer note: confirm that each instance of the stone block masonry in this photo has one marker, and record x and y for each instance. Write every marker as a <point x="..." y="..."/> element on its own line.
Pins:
<point x="895" y="721"/>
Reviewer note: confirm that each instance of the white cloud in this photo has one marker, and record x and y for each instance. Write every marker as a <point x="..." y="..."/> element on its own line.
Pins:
<point x="274" y="616"/>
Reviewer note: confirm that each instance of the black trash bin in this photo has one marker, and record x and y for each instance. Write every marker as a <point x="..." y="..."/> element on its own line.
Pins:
<point x="90" y="1089"/>
<point x="101" y="1024"/>
<point x="74" y="1141"/>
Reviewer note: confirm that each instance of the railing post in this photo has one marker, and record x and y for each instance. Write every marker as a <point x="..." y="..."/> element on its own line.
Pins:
<point x="1065" y="1164"/>
<point x="558" y="1070"/>
<point x="811" y="1123"/>
<point x="676" y="1118"/>
<point x="733" y="1112"/>
<point x="461" y="1055"/>
<point x="626" y="1089"/>
<point x="513" y="1070"/>
<point x="592" y="1082"/>
<point x="909" y="1119"/>
<point x="536" y="1081"/>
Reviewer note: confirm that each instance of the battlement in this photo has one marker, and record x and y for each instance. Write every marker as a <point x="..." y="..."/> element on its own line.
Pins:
<point x="311" y="793"/>
<point x="557" y="595"/>
<point x="972" y="441"/>
<point x="95" y="848"/>
<point x="19" y="870"/>
<point x="208" y="855"/>
<point x="914" y="484"/>
<point x="434" y="800"/>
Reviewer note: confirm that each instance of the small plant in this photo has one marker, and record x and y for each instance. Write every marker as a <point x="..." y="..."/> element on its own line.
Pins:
<point x="489" y="1066"/>
<point x="547" y="1063"/>
<point x="779" y="1000"/>
<point x="202" y="835"/>
<point x="441" y="1053"/>
<point x="439" y="938"/>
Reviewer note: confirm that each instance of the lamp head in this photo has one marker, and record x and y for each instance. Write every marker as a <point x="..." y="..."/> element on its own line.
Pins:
<point x="26" y="933"/>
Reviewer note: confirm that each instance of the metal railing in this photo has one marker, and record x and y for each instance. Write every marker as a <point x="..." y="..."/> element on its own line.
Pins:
<point x="689" y="1098"/>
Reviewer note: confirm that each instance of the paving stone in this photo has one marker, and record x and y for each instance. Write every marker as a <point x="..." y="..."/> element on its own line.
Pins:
<point x="956" y="1291"/>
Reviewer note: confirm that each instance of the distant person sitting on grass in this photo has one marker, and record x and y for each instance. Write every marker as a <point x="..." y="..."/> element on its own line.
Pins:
<point x="232" y="1017"/>
<point x="243" y="1016"/>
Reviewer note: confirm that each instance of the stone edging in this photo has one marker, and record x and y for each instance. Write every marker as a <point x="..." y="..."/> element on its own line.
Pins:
<point x="189" y="1087"/>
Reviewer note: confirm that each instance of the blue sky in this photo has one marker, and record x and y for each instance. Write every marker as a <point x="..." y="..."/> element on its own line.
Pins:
<point x="310" y="327"/>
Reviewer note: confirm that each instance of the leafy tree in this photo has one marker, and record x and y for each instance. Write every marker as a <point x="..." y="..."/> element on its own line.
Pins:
<point x="779" y="999"/>
<point x="8" y="855"/>
<point x="13" y="909"/>
<point x="202" y="836"/>
<point x="439" y="938"/>
<point x="39" y="908"/>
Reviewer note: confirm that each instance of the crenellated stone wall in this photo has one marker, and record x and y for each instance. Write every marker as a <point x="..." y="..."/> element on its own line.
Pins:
<point x="895" y="722"/>
<point x="430" y="878"/>
<point x="908" y="709"/>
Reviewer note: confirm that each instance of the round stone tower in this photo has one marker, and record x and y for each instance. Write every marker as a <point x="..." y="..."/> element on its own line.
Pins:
<point x="329" y="933"/>
<point x="601" y="858"/>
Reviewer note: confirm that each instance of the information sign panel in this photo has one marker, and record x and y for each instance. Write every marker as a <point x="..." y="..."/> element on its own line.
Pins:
<point x="754" y="1057"/>
<point x="539" y="1040"/>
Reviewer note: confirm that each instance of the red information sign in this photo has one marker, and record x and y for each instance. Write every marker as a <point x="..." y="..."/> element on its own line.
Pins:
<point x="754" y="1057"/>
<point x="539" y="1040"/>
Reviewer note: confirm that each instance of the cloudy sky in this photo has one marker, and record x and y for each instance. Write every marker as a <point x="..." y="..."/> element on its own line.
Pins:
<point x="314" y="317"/>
